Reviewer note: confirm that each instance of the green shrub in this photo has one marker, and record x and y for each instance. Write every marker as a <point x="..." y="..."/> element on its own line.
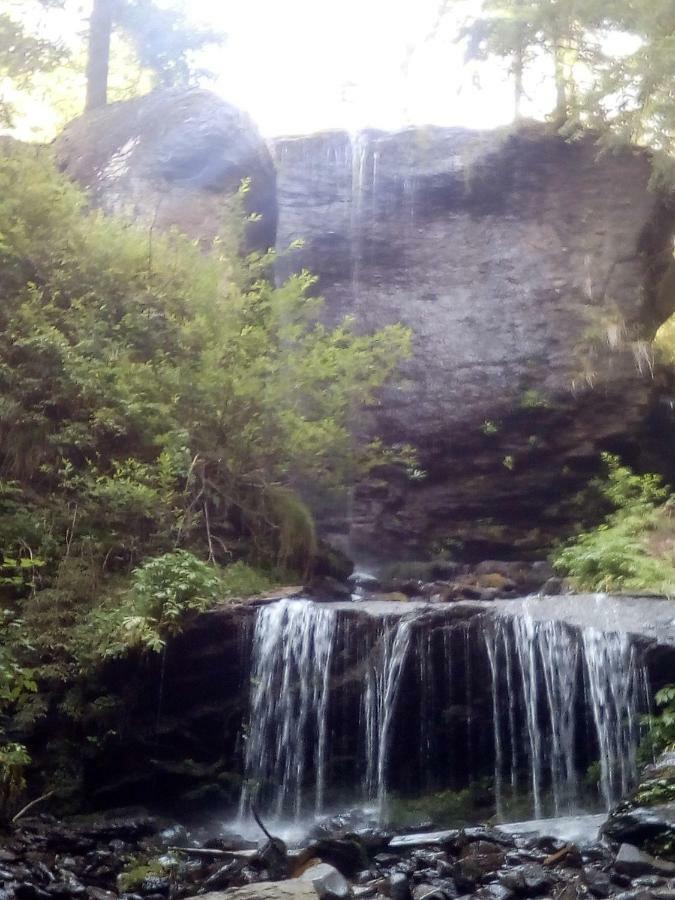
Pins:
<point x="661" y="733"/>
<point x="154" y="395"/>
<point x="158" y="402"/>
<point x="634" y="549"/>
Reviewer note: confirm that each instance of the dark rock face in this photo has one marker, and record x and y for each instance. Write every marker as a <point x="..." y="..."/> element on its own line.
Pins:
<point x="529" y="273"/>
<point x="173" y="158"/>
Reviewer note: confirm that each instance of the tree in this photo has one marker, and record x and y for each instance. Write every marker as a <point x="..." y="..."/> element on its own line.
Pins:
<point x="98" y="56"/>
<point x="613" y="61"/>
<point x="22" y="55"/>
<point x="162" y="38"/>
<point x="524" y="31"/>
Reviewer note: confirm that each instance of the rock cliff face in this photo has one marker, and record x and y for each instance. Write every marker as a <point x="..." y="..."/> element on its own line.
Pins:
<point x="528" y="269"/>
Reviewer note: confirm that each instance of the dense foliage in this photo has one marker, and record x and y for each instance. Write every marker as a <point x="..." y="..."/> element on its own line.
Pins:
<point x="661" y="736"/>
<point x="634" y="549"/>
<point x="612" y="63"/>
<point x="158" y="405"/>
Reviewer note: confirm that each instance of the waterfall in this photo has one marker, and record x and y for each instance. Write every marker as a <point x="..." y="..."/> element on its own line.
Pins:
<point x="292" y="651"/>
<point x="615" y="681"/>
<point x="565" y="676"/>
<point x="383" y="680"/>
<point x="347" y="707"/>
<point x="286" y="751"/>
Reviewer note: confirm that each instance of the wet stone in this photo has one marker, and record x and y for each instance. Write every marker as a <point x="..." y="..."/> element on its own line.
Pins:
<point x="28" y="891"/>
<point x="327" y="881"/>
<point x="365" y="876"/>
<point x="396" y="886"/>
<point x="631" y="861"/>
<point x="635" y="895"/>
<point x="493" y="891"/>
<point x="598" y="883"/>
<point x="430" y="892"/>
<point x="365" y="891"/>
<point x="573" y="890"/>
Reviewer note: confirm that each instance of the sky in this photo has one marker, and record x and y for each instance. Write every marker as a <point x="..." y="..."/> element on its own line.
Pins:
<point x="299" y="66"/>
<point x="304" y="65"/>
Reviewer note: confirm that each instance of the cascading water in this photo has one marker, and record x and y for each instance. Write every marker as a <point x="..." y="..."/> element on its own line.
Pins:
<point x="615" y="682"/>
<point x="383" y="679"/>
<point x="347" y="707"/>
<point x="286" y="750"/>
<point x="292" y="650"/>
<point x="565" y="676"/>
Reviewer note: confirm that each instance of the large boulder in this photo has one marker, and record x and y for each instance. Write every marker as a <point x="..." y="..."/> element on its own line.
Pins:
<point x="173" y="158"/>
<point x="530" y="271"/>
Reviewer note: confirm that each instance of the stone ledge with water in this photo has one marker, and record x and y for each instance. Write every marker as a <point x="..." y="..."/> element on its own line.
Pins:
<point x="466" y="711"/>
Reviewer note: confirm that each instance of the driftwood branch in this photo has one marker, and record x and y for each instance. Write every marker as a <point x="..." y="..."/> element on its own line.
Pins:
<point x="259" y="821"/>
<point x="29" y="806"/>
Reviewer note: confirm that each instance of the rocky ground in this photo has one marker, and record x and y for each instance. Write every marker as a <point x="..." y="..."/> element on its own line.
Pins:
<point x="138" y="857"/>
<point x="445" y="581"/>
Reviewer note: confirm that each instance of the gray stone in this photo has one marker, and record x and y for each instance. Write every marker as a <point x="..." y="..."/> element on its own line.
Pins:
<point x="632" y="861"/>
<point x="528" y="880"/>
<point x="366" y="890"/>
<point x="641" y="824"/>
<point x="635" y="895"/>
<point x="573" y="890"/>
<point x="664" y="893"/>
<point x="493" y="891"/>
<point x="397" y="887"/>
<point x="426" y="839"/>
<point x="328" y="882"/>
<point x="599" y="883"/>
<point x="429" y="892"/>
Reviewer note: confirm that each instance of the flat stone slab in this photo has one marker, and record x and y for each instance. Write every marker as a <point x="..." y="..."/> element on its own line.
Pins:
<point x="649" y="617"/>
<point x="428" y="839"/>
<point x="632" y="861"/>
<point x="575" y="829"/>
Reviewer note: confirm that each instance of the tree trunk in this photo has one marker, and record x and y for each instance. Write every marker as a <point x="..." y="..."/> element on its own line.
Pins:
<point x="518" y="72"/>
<point x="562" y="103"/>
<point x="98" y="59"/>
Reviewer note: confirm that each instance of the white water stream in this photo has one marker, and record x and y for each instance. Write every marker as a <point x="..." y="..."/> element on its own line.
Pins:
<point x="330" y="683"/>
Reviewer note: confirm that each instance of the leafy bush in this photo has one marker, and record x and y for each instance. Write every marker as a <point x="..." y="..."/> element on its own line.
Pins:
<point x="177" y="390"/>
<point x="158" y="402"/>
<point x="164" y="592"/>
<point x="634" y="549"/>
<point x="661" y="735"/>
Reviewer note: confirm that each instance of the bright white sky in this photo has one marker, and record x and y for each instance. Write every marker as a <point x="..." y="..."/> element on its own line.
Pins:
<point x="303" y="65"/>
<point x="298" y="66"/>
